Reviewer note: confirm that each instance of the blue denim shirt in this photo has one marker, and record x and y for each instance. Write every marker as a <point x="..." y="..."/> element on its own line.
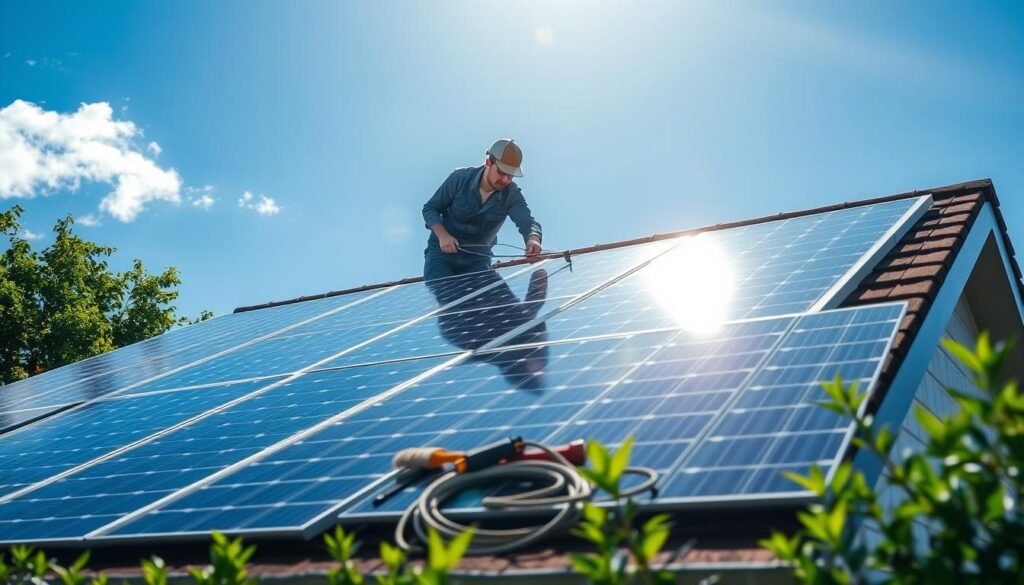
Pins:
<point x="456" y="206"/>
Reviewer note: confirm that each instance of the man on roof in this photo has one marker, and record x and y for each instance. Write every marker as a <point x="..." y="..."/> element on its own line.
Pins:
<point x="469" y="208"/>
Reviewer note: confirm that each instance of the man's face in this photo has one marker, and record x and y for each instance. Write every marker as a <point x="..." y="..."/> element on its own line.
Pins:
<point x="495" y="178"/>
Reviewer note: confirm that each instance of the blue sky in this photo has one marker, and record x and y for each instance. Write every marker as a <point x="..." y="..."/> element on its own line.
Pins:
<point x="341" y="118"/>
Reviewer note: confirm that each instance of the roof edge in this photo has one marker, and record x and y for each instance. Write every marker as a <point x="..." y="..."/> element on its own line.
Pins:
<point x="984" y="185"/>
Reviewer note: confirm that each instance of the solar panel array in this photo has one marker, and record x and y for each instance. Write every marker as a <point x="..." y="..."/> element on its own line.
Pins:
<point x="707" y="349"/>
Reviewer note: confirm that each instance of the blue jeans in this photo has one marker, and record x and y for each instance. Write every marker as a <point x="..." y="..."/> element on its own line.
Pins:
<point x="438" y="264"/>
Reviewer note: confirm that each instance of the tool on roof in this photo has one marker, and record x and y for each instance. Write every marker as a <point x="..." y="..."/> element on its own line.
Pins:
<point x="506" y="450"/>
<point x="560" y="496"/>
<point x="417" y="462"/>
<point x="542" y="256"/>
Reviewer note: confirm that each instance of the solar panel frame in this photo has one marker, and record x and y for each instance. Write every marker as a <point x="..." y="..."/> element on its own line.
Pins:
<point x="856" y="274"/>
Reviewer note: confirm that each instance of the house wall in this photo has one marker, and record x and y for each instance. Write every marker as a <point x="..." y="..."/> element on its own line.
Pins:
<point x="943" y="371"/>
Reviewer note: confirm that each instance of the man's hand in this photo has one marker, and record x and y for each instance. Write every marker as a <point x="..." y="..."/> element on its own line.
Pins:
<point x="533" y="248"/>
<point x="448" y="243"/>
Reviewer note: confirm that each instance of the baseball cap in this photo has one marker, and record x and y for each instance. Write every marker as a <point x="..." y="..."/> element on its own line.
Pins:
<point x="507" y="155"/>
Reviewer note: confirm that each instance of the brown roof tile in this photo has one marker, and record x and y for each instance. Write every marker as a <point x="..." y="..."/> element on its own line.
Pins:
<point x="924" y="288"/>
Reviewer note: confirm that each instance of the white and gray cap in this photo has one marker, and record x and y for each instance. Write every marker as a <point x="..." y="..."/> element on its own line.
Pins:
<point x="507" y="155"/>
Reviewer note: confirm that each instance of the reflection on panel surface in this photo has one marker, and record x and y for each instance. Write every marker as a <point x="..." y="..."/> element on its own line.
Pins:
<point x="54" y="445"/>
<point x="760" y="270"/>
<point x="118" y="369"/>
<point x="100" y="494"/>
<point x="301" y="347"/>
<point x="508" y="302"/>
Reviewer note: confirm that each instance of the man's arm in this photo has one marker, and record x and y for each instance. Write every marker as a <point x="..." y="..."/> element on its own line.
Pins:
<point x="432" y="211"/>
<point x="520" y="214"/>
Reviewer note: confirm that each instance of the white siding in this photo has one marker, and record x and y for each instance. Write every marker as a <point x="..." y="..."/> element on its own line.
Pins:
<point x="943" y="371"/>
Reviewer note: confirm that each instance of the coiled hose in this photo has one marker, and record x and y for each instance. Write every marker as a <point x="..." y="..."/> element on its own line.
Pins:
<point x="563" y="495"/>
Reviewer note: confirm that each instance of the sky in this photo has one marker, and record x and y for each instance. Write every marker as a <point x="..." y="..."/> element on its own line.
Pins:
<point x="270" y="150"/>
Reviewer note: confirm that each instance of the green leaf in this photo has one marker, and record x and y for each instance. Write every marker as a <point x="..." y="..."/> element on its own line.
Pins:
<point x="598" y="457"/>
<point x="390" y="555"/>
<point x="837" y="521"/>
<point x="594" y="514"/>
<point x="652" y="541"/>
<point x="813" y="482"/>
<point x="930" y="423"/>
<point x="437" y="554"/>
<point x="81" y="561"/>
<point x="596" y="478"/>
<point x="619" y="462"/>
<point x="458" y="547"/>
<point x="586" y="565"/>
<point x="964" y="355"/>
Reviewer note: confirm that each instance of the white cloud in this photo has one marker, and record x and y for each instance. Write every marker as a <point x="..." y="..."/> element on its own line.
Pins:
<point x="544" y="35"/>
<point x="204" y="202"/>
<point x="264" y="206"/>
<point x="88" y="220"/>
<point x="30" y="62"/>
<point x="201" y="198"/>
<point x="43" y="151"/>
<point x="154" y="148"/>
<point x="31" y="235"/>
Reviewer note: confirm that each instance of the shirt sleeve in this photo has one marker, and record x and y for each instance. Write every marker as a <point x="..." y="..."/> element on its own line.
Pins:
<point x="440" y="202"/>
<point x="520" y="214"/>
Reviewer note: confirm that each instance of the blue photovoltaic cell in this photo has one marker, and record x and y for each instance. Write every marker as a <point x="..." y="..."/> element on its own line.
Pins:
<point x="59" y="443"/>
<point x="118" y="369"/>
<point x="775" y="424"/>
<point x="99" y="494"/>
<point x="765" y="269"/>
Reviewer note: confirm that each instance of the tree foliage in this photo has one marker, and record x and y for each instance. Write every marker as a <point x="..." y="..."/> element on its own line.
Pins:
<point x="958" y="517"/>
<point x="64" y="303"/>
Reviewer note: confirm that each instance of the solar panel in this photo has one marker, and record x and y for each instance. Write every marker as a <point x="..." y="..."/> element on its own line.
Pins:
<point x="672" y="391"/>
<point x="106" y="490"/>
<point x="760" y="270"/>
<point x="55" y="445"/>
<point x="112" y="371"/>
<point x="324" y="396"/>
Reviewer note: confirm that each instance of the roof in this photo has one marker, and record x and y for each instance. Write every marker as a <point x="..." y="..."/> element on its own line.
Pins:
<point x="913" y="271"/>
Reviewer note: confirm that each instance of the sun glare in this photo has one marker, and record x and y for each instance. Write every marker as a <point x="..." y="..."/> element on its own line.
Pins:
<point x="694" y="284"/>
<point x="544" y="35"/>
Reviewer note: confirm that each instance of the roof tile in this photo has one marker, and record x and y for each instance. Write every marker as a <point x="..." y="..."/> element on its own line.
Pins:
<point x="936" y="271"/>
<point x="957" y="209"/>
<point x="936" y="257"/>
<point x="940" y="244"/>
<point x="924" y="288"/>
<point x="871" y="295"/>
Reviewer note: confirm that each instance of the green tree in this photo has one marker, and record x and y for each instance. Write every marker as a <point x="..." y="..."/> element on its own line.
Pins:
<point x="65" y="303"/>
<point x="958" y="519"/>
